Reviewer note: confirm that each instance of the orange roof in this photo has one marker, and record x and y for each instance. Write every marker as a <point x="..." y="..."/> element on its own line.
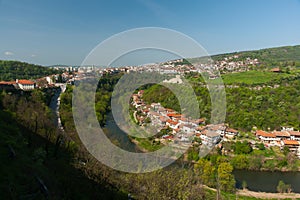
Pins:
<point x="200" y="128"/>
<point x="7" y="82"/>
<point x="25" y="82"/>
<point x="162" y="118"/>
<point x="294" y="133"/>
<point x="172" y="122"/>
<point x="200" y="120"/>
<point x="174" y="115"/>
<point x="275" y="70"/>
<point x="290" y="142"/>
<point x="265" y="134"/>
<point x="204" y="132"/>
<point x="231" y="130"/>
<point x="216" y="127"/>
<point x="281" y="134"/>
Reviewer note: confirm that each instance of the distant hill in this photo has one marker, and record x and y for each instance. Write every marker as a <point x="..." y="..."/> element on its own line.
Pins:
<point x="267" y="56"/>
<point x="11" y="70"/>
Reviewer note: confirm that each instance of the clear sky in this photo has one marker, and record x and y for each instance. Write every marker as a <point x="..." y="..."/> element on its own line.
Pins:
<point x="65" y="31"/>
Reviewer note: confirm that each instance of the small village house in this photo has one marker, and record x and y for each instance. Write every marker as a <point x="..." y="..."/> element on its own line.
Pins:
<point x="25" y="85"/>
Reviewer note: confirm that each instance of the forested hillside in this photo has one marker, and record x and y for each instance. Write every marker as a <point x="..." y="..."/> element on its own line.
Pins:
<point x="12" y="70"/>
<point x="264" y="108"/>
<point x="36" y="160"/>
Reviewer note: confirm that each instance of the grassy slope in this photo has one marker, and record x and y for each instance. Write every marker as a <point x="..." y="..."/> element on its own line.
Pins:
<point x="252" y="77"/>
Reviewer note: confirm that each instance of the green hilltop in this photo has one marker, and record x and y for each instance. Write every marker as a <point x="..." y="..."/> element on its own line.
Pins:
<point x="11" y="70"/>
<point x="274" y="55"/>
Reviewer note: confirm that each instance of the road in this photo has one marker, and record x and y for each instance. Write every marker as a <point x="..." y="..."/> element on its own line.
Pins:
<point x="54" y="105"/>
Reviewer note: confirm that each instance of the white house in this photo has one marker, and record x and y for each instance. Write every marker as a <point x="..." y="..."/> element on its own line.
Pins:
<point x="295" y="135"/>
<point x="172" y="124"/>
<point x="187" y="128"/>
<point x="230" y="133"/>
<point x="49" y="80"/>
<point x="25" y="84"/>
<point x="210" y="138"/>
<point x="266" y="137"/>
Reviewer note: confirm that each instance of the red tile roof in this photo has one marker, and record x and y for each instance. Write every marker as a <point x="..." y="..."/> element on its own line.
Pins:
<point x="7" y="82"/>
<point x="172" y="122"/>
<point x="291" y="142"/>
<point x="200" y="128"/>
<point x="265" y="134"/>
<point x="275" y="70"/>
<point x="294" y="133"/>
<point x="174" y="115"/>
<point x="231" y="130"/>
<point x="25" y="82"/>
<point x="281" y="134"/>
<point x="163" y="119"/>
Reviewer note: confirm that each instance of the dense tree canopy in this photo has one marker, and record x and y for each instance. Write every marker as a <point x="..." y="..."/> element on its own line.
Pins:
<point x="247" y="107"/>
<point x="12" y="70"/>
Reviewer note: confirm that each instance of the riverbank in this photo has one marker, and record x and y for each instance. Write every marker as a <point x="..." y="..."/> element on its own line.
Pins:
<point x="137" y="143"/>
<point x="267" y="195"/>
<point x="259" y="195"/>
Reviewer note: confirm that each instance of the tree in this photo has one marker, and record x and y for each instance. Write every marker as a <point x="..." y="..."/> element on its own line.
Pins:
<point x="286" y="150"/>
<point x="283" y="188"/>
<point x="240" y="162"/>
<point x="242" y="148"/>
<point x="244" y="185"/>
<point x="225" y="179"/>
<point x="206" y="172"/>
<point x="260" y="146"/>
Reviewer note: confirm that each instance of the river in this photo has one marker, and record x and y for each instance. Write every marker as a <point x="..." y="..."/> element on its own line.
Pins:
<point x="117" y="136"/>
<point x="262" y="181"/>
<point x="259" y="181"/>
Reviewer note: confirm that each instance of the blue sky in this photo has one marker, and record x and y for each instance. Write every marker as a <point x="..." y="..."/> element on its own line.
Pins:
<point x="64" y="32"/>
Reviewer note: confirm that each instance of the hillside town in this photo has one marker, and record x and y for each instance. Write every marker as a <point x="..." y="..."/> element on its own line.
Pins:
<point x="181" y="128"/>
<point x="174" y="67"/>
<point x="286" y="137"/>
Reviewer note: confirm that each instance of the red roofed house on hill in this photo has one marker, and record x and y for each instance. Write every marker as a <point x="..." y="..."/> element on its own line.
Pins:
<point x="276" y="70"/>
<point x="8" y="86"/>
<point x="25" y="84"/>
<point x="266" y="137"/>
<point x="293" y="145"/>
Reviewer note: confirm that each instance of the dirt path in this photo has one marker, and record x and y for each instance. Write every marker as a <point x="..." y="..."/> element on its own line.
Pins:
<point x="265" y="195"/>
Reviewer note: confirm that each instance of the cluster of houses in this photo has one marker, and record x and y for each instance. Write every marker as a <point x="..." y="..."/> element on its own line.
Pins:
<point x="186" y="129"/>
<point x="29" y="85"/>
<point x="183" y="129"/>
<point x="233" y="63"/>
<point x="286" y="137"/>
<point x="173" y="67"/>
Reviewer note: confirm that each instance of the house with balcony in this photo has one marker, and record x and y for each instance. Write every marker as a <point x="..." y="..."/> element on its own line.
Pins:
<point x="266" y="137"/>
<point x="25" y="85"/>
